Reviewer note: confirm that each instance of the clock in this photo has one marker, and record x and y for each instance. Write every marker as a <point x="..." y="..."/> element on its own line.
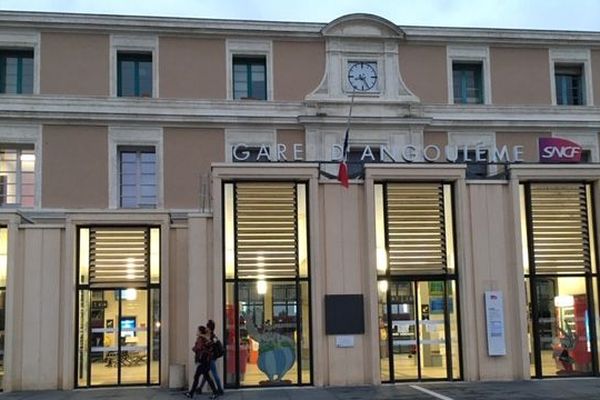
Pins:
<point x="362" y="75"/>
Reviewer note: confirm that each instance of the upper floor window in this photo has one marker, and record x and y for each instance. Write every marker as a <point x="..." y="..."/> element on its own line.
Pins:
<point x="569" y="84"/>
<point x="17" y="176"/>
<point x="16" y="71"/>
<point x="137" y="177"/>
<point x="134" y="74"/>
<point x="249" y="78"/>
<point x="467" y="82"/>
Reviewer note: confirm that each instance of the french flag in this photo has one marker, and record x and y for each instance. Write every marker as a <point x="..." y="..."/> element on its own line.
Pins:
<point x="343" y="170"/>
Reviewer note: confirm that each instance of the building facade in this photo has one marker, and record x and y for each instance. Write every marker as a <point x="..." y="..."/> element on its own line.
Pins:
<point x="159" y="172"/>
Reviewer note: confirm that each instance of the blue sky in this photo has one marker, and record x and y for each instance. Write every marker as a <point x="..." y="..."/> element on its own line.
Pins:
<point x="530" y="14"/>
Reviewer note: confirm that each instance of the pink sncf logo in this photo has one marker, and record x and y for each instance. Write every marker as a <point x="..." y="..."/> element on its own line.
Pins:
<point x="556" y="150"/>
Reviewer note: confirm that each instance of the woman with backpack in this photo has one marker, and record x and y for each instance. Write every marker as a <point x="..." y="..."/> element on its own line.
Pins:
<point x="218" y="352"/>
<point x="203" y="353"/>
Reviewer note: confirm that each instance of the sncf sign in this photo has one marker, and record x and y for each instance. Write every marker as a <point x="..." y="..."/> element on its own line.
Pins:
<point x="555" y="150"/>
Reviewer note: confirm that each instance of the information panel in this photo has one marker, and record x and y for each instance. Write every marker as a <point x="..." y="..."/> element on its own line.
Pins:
<point x="494" y="315"/>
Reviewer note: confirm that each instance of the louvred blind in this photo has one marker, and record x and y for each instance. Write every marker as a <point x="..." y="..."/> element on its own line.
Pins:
<point x="560" y="228"/>
<point x="415" y="228"/>
<point x="266" y="234"/>
<point x="119" y="256"/>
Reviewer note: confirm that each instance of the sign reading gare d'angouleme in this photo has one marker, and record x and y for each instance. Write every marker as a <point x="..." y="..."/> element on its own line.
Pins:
<point x="551" y="150"/>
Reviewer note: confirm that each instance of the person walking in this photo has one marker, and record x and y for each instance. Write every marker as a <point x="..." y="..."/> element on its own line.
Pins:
<point x="203" y="351"/>
<point x="218" y="352"/>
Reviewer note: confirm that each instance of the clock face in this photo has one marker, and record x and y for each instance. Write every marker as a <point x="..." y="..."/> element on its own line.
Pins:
<point x="362" y="75"/>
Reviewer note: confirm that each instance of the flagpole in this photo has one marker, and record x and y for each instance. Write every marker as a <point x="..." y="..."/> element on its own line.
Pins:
<point x="345" y="150"/>
<point x="343" y="168"/>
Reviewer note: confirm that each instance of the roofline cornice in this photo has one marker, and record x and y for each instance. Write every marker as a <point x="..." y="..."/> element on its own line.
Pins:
<point x="205" y="26"/>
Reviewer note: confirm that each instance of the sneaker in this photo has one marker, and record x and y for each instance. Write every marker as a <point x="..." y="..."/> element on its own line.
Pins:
<point x="189" y="395"/>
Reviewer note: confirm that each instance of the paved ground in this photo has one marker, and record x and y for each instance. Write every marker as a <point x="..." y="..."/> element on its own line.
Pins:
<point x="581" y="389"/>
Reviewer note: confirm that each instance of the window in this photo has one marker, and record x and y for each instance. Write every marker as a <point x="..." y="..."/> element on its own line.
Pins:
<point x="249" y="78"/>
<point x="586" y="156"/>
<point x="475" y="169"/>
<point x="356" y="165"/>
<point x="467" y="83"/>
<point x="134" y="74"/>
<point x="17" y="176"/>
<point x="137" y="177"/>
<point x="16" y="71"/>
<point x="569" y="84"/>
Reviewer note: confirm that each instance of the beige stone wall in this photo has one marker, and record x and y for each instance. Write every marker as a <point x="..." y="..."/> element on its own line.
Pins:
<point x="36" y="353"/>
<point x="342" y="269"/>
<point x="75" y="64"/>
<point x="491" y="264"/>
<point x="423" y="69"/>
<point x="520" y="76"/>
<point x="178" y="296"/>
<point x="188" y="153"/>
<point x="298" y="67"/>
<point x="75" y="165"/>
<point x="192" y="68"/>
<point x="439" y="139"/>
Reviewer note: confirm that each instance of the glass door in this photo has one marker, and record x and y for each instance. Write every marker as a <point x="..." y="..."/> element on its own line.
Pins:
<point x="114" y="337"/>
<point x="404" y="330"/>
<point x="419" y="320"/>
<point x="432" y="330"/>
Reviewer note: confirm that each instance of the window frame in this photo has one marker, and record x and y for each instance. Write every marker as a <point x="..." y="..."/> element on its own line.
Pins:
<point x="466" y="55"/>
<point x="466" y="66"/>
<point x="566" y="80"/>
<point x="136" y="58"/>
<point x="133" y="44"/>
<point x="133" y="138"/>
<point x="249" y="48"/>
<point x="23" y="136"/>
<point x="572" y="56"/>
<point x="20" y="54"/>
<point x="29" y="41"/>
<point x="138" y="151"/>
<point x="248" y="63"/>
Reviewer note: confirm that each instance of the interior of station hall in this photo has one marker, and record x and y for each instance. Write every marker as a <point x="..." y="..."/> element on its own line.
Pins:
<point x="147" y="199"/>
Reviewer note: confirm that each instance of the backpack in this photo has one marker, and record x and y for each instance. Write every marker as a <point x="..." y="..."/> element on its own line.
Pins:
<point x="218" y="349"/>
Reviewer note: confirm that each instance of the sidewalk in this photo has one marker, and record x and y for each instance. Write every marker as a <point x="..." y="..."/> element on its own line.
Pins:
<point x="588" y="389"/>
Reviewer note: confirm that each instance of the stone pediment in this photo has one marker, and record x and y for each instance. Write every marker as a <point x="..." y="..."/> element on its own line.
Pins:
<point x="372" y="42"/>
<point x="362" y="26"/>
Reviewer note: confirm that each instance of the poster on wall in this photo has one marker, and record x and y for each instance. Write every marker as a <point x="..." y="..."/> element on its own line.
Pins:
<point x="494" y="316"/>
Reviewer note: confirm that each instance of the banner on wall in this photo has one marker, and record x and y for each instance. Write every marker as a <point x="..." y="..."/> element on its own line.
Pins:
<point x="557" y="150"/>
<point x="494" y="316"/>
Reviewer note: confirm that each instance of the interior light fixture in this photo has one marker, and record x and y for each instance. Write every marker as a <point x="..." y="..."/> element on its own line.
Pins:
<point x="261" y="286"/>
<point x="564" y="301"/>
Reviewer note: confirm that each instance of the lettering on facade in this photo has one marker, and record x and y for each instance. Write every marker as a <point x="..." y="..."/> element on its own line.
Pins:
<point x="384" y="153"/>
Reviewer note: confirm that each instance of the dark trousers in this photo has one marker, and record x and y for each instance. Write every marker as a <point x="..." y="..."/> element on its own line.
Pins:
<point x="202" y="369"/>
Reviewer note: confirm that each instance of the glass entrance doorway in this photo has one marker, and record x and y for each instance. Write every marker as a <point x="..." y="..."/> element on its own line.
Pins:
<point x="118" y="307"/>
<point x="417" y="275"/>
<point x="267" y="285"/>
<point x="418" y="330"/>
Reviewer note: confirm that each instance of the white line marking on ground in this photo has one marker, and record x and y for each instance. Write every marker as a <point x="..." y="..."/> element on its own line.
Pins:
<point x="431" y="393"/>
